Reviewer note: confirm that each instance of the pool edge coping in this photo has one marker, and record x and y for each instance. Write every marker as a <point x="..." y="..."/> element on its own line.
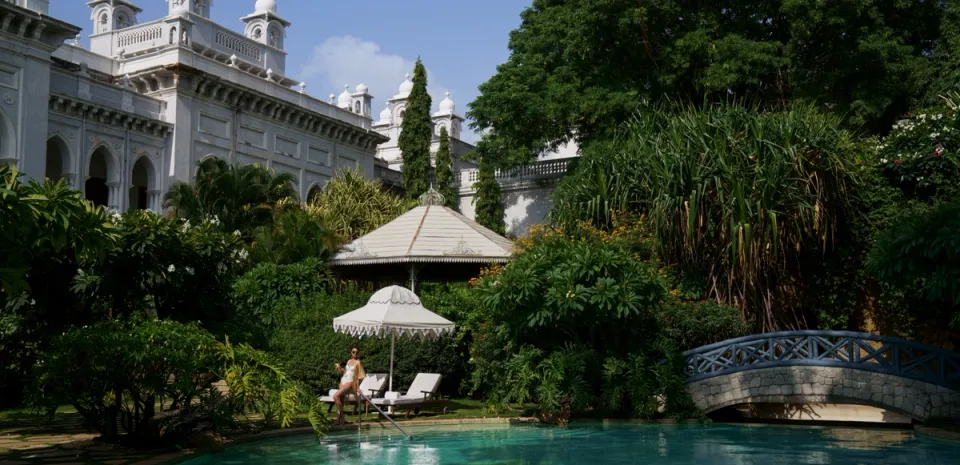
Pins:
<point x="180" y="456"/>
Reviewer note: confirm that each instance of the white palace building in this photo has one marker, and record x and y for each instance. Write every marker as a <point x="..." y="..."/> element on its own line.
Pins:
<point x="135" y="113"/>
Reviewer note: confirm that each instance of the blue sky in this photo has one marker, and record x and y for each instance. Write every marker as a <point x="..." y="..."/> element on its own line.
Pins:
<point x="374" y="42"/>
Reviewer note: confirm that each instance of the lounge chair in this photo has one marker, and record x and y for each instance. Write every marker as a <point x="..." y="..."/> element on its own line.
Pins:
<point x="372" y="386"/>
<point x="422" y="394"/>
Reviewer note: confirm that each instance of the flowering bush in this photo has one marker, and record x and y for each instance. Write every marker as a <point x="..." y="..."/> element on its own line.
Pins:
<point x="164" y="267"/>
<point x="920" y="155"/>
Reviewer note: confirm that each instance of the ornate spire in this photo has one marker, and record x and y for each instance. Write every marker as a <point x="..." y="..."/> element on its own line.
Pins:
<point x="432" y="198"/>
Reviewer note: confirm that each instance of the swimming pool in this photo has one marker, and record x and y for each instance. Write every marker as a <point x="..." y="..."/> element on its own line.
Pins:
<point x="609" y="444"/>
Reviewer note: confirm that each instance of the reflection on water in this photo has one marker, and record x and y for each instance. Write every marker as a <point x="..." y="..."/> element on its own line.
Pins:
<point x="854" y="438"/>
<point x="595" y="443"/>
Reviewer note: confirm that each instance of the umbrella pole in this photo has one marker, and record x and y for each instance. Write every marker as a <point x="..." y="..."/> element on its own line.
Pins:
<point x="393" y="342"/>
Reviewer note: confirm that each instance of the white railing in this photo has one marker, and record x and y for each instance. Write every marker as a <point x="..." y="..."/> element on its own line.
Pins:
<point x="239" y="44"/>
<point x="540" y="170"/>
<point x="140" y="35"/>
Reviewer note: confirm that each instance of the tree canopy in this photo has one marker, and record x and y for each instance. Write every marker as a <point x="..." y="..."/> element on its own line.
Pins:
<point x="240" y="198"/>
<point x="444" y="171"/>
<point x="416" y="134"/>
<point x="577" y="69"/>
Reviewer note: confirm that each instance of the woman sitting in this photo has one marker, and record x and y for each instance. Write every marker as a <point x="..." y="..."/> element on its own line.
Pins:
<point x="352" y="374"/>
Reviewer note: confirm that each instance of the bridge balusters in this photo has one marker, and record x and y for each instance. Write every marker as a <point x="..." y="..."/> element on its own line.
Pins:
<point x="840" y="349"/>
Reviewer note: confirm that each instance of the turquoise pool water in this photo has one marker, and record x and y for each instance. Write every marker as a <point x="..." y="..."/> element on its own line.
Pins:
<point x="597" y="443"/>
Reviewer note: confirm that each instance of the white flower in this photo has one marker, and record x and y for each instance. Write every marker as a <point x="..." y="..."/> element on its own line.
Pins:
<point x="236" y="233"/>
<point x="243" y="254"/>
<point x="33" y="301"/>
<point x="186" y="225"/>
<point x="171" y="269"/>
<point x="934" y="135"/>
<point x="189" y="270"/>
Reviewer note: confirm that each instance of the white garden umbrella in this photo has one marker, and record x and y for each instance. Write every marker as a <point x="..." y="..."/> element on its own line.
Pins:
<point x="393" y="311"/>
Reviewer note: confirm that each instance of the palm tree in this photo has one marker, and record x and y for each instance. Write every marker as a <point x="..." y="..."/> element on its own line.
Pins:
<point x="241" y="198"/>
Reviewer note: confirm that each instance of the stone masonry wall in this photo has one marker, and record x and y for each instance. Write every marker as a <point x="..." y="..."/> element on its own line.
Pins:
<point x="815" y="385"/>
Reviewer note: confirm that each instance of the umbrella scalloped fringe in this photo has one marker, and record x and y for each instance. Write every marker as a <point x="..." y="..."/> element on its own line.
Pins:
<point x="397" y="302"/>
<point x="381" y="331"/>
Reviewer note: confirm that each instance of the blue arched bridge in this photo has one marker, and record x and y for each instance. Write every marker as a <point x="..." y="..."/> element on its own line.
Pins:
<point x="826" y="367"/>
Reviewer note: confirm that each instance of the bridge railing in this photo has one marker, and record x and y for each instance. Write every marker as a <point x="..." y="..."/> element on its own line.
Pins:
<point x="841" y="349"/>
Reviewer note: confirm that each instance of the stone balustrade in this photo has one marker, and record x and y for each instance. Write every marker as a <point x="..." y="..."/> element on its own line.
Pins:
<point x="541" y="170"/>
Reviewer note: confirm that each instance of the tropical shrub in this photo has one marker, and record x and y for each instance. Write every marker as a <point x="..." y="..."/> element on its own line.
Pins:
<point x="259" y="290"/>
<point x="154" y="381"/>
<point x="577" y="288"/>
<point x="692" y="324"/>
<point x="567" y="303"/>
<point x="921" y="256"/>
<point x="920" y="155"/>
<point x="645" y="385"/>
<point x="167" y="268"/>
<point x="242" y="197"/>
<point x="46" y="230"/>
<point x="736" y="194"/>
<point x="352" y="205"/>
<point x="295" y="235"/>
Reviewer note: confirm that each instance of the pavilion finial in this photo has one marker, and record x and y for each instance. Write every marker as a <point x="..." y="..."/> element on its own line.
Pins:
<point x="432" y="197"/>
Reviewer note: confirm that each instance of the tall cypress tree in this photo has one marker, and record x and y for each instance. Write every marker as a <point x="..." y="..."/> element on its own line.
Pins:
<point x="444" y="171"/>
<point x="416" y="133"/>
<point x="488" y="199"/>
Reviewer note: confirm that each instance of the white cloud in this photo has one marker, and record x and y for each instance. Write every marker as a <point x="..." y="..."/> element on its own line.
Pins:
<point x="347" y="60"/>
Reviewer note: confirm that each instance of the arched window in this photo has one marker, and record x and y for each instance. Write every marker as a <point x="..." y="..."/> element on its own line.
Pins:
<point x="314" y="192"/>
<point x="356" y="107"/>
<point x="173" y="35"/>
<point x="104" y="22"/>
<point x="257" y="33"/>
<point x="58" y="159"/>
<point x="141" y="181"/>
<point x="96" y="188"/>
<point x="122" y="21"/>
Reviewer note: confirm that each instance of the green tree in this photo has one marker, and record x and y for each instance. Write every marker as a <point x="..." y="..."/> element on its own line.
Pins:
<point x="942" y="73"/>
<point x="294" y="236"/>
<point x="154" y="379"/>
<point x="743" y="196"/>
<point x="416" y="135"/>
<point x="489" y="198"/>
<point x="46" y="230"/>
<point x="241" y="198"/>
<point x="165" y="268"/>
<point x="566" y="77"/>
<point x="352" y="205"/>
<point x="921" y="255"/>
<point x="444" y="171"/>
